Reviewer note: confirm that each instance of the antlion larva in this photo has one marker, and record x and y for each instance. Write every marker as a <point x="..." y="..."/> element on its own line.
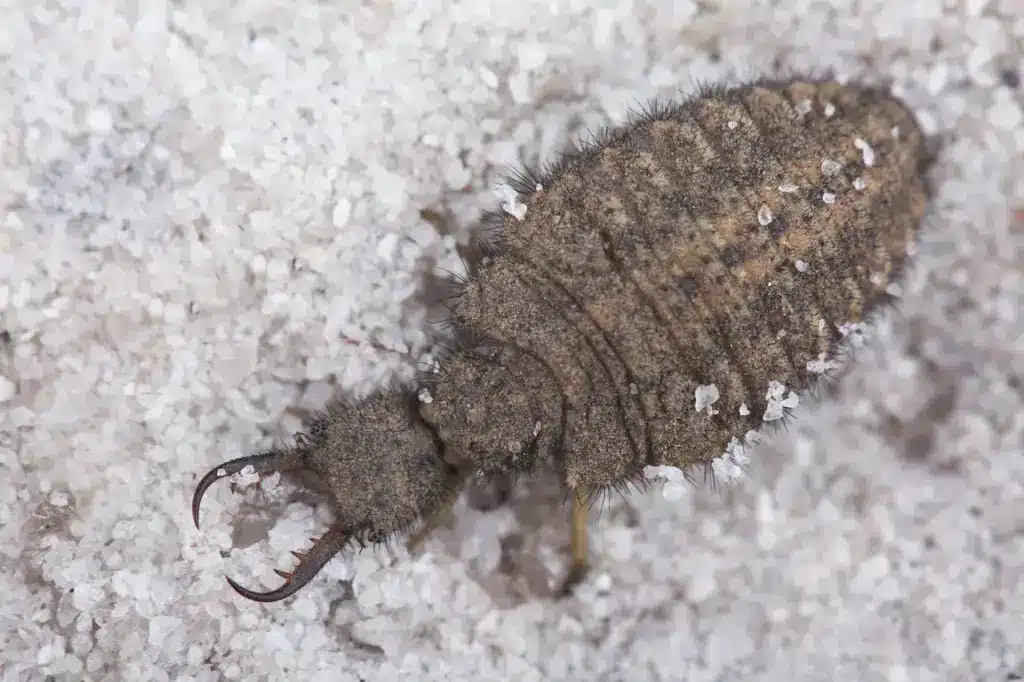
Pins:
<point x="648" y="301"/>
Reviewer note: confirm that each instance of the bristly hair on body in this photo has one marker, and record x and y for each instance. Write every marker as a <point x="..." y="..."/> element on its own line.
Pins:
<point x="654" y="262"/>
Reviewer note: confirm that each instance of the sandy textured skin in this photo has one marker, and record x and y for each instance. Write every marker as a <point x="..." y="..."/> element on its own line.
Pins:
<point x="641" y="270"/>
<point x="725" y="241"/>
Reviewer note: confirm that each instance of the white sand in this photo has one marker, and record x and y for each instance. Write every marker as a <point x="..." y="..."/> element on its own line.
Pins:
<point x="200" y="197"/>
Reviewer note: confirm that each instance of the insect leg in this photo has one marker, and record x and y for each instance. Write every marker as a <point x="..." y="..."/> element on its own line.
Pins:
<point x="579" y="552"/>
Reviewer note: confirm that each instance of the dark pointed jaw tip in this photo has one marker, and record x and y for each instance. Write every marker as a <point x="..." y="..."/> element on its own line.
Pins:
<point x="310" y="563"/>
<point x="264" y="463"/>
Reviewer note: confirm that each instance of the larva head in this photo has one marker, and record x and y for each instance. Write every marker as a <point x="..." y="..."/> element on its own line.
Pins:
<point x="384" y="468"/>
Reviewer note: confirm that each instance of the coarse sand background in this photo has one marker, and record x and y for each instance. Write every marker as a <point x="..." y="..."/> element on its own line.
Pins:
<point x="200" y="199"/>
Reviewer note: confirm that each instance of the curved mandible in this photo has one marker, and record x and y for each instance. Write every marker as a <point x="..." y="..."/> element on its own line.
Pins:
<point x="310" y="563"/>
<point x="267" y="462"/>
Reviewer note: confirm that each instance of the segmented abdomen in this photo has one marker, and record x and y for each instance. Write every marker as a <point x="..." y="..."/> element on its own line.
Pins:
<point x="726" y="242"/>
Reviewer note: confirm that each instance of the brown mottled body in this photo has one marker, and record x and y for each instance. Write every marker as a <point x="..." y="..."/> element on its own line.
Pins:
<point x="641" y="270"/>
<point x="725" y="241"/>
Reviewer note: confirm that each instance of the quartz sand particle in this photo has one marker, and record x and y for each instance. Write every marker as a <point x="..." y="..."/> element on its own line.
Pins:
<point x="116" y="408"/>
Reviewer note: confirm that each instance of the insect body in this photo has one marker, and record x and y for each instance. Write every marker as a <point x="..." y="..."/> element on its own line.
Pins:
<point x="718" y="247"/>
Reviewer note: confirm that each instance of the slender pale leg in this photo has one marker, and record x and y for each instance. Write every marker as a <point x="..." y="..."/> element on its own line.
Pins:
<point x="579" y="550"/>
